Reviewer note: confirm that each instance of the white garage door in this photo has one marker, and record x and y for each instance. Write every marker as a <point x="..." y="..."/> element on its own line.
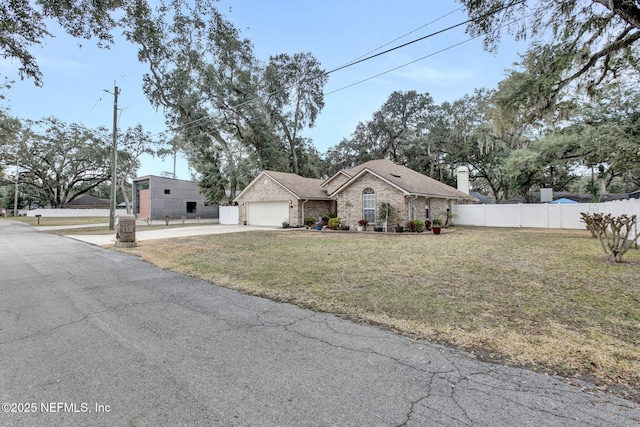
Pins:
<point x="267" y="213"/>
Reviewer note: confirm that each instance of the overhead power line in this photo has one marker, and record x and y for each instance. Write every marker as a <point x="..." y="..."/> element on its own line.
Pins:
<point x="404" y="35"/>
<point x="468" y="21"/>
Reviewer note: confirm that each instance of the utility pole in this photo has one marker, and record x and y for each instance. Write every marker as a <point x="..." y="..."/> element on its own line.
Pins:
<point x="15" y="200"/>
<point x="114" y="158"/>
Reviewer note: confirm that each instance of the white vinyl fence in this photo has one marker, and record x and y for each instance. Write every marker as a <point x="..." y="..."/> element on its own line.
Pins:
<point x="540" y="215"/>
<point x="57" y="213"/>
<point x="229" y="215"/>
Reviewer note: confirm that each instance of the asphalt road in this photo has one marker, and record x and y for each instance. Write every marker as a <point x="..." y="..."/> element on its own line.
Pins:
<point x="90" y="336"/>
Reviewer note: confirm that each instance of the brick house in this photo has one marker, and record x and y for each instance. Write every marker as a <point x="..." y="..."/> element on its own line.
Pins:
<point x="355" y="193"/>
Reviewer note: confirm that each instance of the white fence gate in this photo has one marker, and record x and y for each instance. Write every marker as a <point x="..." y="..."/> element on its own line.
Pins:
<point x="229" y="215"/>
<point x="545" y="215"/>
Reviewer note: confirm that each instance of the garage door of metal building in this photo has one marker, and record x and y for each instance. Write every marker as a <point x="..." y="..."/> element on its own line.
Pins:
<point x="267" y="213"/>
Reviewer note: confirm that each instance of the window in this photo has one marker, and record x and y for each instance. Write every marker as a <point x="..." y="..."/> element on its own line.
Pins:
<point x="426" y="205"/>
<point x="167" y="191"/>
<point x="369" y="205"/>
<point x="191" y="207"/>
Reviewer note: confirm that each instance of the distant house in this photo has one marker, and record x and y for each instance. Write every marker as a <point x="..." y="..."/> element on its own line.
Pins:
<point x="356" y="193"/>
<point x="482" y="199"/>
<point x="154" y="197"/>
<point x="87" y="201"/>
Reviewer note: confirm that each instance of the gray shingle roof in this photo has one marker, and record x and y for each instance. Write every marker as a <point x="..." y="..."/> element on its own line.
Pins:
<point x="303" y="188"/>
<point x="406" y="179"/>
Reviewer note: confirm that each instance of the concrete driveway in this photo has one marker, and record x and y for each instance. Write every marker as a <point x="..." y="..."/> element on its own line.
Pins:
<point x="90" y="336"/>
<point x="165" y="233"/>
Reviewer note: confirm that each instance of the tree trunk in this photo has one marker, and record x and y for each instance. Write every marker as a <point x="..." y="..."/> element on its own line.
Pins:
<point x="125" y="195"/>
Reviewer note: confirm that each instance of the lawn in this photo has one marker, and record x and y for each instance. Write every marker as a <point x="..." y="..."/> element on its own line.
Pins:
<point x="545" y="299"/>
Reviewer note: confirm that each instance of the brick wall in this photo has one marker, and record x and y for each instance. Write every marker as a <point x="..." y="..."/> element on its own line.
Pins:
<point x="353" y="195"/>
<point x="314" y="208"/>
<point x="336" y="182"/>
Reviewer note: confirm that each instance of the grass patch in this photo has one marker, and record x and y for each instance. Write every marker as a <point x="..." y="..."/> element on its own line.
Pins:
<point x="545" y="299"/>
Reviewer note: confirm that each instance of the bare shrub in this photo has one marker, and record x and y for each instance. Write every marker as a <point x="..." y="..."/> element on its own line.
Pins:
<point x="613" y="233"/>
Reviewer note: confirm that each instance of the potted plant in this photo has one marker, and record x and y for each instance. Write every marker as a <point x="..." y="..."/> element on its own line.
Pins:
<point x="362" y="224"/>
<point x="411" y="226"/>
<point x="285" y="223"/>
<point x="309" y="222"/>
<point x="334" y="223"/>
<point x="436" y="225"/>
<point x="419" y="225"/>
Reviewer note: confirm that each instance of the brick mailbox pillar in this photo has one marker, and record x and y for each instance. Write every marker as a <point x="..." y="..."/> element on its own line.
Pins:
<point x="126" y="231"/>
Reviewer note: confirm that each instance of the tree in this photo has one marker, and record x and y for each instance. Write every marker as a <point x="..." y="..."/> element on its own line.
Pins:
<point x="391" y="133"/>
<point x="295" y="86"/>
<point x="24" y="24"/>
<point x="133" y="144"/>
<point x="171" y="148"/>
<point x="613" y="233"/>
<point x="473" y="140"/>
<point x="59" y="162"/>
<point x="206" y="79"/>
<point x="594" y="41"/>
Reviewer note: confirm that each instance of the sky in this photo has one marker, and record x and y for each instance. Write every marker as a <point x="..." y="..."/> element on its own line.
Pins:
<point x="79" y="78"/>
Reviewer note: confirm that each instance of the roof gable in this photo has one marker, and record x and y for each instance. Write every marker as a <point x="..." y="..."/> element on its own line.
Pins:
<point x="335" y="175"/>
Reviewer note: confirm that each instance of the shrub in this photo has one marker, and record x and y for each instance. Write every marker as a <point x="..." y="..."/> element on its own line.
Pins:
<point x="612" y="232"/>
<point x="309" y="221"/>
<point x="334" y="223"/>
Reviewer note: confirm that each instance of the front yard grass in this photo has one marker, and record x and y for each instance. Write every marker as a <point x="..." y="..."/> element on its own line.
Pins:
<point x="544" y="299"/>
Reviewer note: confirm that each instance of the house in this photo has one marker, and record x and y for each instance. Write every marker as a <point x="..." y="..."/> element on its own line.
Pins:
<point x="87" y="201"/>
<point x="155" y="196"/>
<point x="274" y="197"/>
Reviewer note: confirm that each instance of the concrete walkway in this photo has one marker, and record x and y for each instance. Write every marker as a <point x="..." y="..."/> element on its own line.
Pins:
<point x="167" y="233"/>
